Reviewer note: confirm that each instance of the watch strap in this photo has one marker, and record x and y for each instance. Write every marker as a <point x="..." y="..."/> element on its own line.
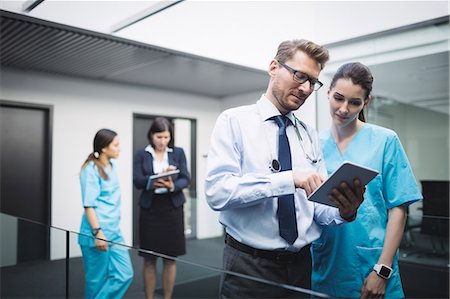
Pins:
<point x="95" y="231"/>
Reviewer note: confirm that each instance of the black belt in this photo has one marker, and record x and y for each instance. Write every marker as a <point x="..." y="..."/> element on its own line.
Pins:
<point x="281" y="256"/>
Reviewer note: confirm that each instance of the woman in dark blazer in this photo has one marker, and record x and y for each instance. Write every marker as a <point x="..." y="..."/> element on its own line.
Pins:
<point x="161" y="221"/>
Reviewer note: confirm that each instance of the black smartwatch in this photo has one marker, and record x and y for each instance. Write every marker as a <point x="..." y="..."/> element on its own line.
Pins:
<point x="95" y="231"/>
<point x="383" y="271"/>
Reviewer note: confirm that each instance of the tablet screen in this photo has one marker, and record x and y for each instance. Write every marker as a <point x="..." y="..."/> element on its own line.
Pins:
<point x="347" y="172"/>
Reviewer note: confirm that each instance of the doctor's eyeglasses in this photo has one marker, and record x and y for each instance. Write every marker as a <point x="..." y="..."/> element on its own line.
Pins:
<point x="301" y="77"/>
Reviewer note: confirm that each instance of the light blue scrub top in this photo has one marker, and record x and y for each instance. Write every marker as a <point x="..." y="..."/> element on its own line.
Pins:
<point x="104" y="197"/>
<point x="345" y="255"/>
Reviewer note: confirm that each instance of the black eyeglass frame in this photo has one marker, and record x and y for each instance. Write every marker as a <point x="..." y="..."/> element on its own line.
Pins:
<point x="315" y="83"/>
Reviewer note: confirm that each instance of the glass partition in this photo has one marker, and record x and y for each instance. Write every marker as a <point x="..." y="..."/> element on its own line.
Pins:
<point x="410" y="95"/>
<point x="25" y="273"/>
<point x="426" y="142"/>
<point x="198" y="272"/>
<point x="424" y="250"/>
<point x="424" y="256"/>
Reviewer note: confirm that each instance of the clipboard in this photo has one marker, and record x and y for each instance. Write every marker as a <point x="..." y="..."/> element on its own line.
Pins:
<point x="348" y="171"/>
<point x="161" y="175"/>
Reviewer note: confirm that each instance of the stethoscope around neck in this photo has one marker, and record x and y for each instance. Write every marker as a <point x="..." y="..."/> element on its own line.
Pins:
<point x="275" y="165"/>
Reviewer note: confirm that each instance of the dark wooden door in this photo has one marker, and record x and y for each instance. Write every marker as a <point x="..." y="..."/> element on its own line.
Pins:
<point x="25" y="175"/>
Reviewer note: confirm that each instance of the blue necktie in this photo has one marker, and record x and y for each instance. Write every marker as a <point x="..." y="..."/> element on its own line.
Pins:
<point x="287" y="221"/>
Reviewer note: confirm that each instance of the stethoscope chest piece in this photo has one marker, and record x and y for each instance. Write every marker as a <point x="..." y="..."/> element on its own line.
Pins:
<point x="275" y="165"/>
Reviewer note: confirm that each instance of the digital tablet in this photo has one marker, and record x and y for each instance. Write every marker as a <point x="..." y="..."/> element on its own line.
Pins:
<point x="161" y="175"/>
<point x="164" y="174"/>
<point x="347" y="172"/>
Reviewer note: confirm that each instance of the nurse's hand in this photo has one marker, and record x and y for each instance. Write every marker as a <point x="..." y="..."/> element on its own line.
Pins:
<point x="307" y="180"/>
<point x="374" y="286"/>
<point x="348" y="200"/>
<point x="101" y="244"/>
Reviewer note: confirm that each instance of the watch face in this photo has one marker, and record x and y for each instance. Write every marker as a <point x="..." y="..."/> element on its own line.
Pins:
<point x="385" y="271"/>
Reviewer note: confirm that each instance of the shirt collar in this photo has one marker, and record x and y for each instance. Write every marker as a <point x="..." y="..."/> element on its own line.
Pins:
<point x="151" y="150"/>
<point x="268" y="110"/>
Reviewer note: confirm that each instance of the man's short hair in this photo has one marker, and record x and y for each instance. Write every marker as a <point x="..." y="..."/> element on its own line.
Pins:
<point x="288" y="48"/>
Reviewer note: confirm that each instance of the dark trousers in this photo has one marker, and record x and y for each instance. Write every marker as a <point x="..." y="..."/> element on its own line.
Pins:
<point x="295" y="272"/>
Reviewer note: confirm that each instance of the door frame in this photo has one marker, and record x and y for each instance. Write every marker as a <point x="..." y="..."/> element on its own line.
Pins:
<point x="192" y="170"/>
<point x="49" y="109"/>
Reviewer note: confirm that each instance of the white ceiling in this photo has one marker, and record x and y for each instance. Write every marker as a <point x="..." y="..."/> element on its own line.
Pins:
<point x="248" y="32"/>
<point x="241" y="32"/>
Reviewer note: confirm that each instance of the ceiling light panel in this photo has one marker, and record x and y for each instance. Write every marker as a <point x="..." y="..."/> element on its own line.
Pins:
<point x="97" y="16"/>
<point x="12" y="5"/>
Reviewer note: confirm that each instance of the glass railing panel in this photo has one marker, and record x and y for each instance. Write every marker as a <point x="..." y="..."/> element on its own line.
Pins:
<point x="424" y="256"/>
<point x="28" y="266"/>
<point x="192" y="280"/>
<point x="426" y="237"/>
<point x="197" y="276"/>
<point x="52" y="265"/>
<point x="41" y="270"/>
<point x="76" y="280"/>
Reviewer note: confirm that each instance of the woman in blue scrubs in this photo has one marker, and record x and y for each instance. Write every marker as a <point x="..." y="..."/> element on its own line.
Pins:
<point x="107" y="264"/>
<point x="360" y="259"/>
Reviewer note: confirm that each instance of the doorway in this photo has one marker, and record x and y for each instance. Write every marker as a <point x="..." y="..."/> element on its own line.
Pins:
<point x="185" y="137"/>
<point x="25" y="178"/>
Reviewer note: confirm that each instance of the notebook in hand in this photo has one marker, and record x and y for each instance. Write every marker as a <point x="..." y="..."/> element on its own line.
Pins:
<point x="347" y="172"/>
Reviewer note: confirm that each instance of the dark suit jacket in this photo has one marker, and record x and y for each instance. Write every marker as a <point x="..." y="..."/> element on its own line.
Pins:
<point x="143" y="168"/>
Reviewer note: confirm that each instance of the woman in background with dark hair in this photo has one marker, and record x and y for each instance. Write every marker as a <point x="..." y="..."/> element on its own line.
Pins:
<point x="108" y="266"/>
<point x="360" y="259"/>
<point x="161" y="222"/>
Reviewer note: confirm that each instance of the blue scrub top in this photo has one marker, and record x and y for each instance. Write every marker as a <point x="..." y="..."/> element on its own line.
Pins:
<point x="104" y="196"/>
<point x="345" y="255"/>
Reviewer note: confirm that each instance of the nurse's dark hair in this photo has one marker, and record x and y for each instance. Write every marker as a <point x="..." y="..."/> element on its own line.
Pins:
<point x="359" y="74"/>
<point x="102" y="139"/>
<point x="159" y="124"/>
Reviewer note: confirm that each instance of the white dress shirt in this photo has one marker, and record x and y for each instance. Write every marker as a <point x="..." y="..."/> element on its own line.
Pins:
<point x="240" y="184"/>
<point x="159" y="166"/>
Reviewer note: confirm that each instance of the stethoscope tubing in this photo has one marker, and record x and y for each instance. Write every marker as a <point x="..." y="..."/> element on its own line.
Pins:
<point x="275" y="165"/>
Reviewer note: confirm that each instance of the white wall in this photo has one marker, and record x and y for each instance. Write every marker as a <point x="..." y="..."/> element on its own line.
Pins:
<point x="241" y="99"/>
<point x="307" y="112"/>
<point x="82" y="107"/>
